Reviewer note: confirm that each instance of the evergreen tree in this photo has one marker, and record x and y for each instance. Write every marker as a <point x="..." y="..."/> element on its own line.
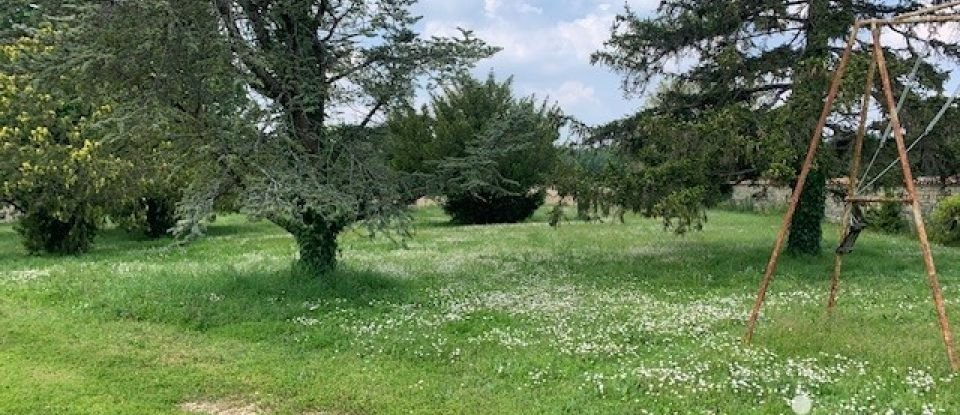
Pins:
<point x="772" y="58"/>
<point x="487" y="153"/>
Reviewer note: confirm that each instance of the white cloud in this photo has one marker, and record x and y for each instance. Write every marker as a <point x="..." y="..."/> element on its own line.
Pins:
<point x="527" y="8"/>
<point x="546" y="45"/>
<point x="585" y="36"/>
<point x="555" y="44"/>
<point x="572" y="94"/>
<point x="490" y="7"/>
<point x="946" y="32"/>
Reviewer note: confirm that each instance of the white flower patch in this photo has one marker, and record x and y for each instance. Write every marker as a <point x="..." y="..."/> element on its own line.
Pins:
<point x="24" y="276"/>
<point x="306" y="321"/>
<point x="920" y="381"/>
<point x="649" y="344"/>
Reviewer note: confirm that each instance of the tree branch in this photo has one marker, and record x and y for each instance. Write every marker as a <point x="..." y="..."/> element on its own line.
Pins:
<point x="373" y="111"/>
<point x="269" y="86"/>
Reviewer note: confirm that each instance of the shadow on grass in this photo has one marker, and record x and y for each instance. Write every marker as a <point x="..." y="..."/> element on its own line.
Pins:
<point x="239" y="226"/>
<point x="108" y="242"/>
<point x="113" y="243"/>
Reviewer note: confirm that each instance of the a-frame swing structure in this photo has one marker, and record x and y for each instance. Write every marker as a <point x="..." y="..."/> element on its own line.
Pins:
<point x="943" y="13"/>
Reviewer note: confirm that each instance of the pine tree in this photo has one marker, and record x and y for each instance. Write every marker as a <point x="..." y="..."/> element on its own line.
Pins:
<point x="771" y="57"/>
<point x="487" y="153"/>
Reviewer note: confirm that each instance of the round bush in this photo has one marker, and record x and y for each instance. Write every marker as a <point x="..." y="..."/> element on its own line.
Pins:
<point x="887" y="218"/>
<point x="42" y="231"/>
<point x="479" y="148"/>
<point x="945" y="221"/>
<point x="492" y="209"/>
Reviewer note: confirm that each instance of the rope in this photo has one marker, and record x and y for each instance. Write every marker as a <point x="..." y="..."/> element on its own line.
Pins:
<point x="933" y="123"/>
<point x="912" y="78"/>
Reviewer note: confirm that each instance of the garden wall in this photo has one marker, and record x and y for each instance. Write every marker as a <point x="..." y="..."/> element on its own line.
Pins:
<point x="763" y="197"/>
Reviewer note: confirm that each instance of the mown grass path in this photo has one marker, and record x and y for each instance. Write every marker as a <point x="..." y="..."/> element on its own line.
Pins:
<point x="587" y="318"/>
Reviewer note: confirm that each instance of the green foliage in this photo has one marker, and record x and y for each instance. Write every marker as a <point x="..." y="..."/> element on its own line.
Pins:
<point x="887" y="218"/>
<point x="186" y="118"/>
<point x="53" y="232"/>
<point x="586" y="174"/>
<point x="806" y="229"/>
<point x="769" y="64"/>
<point x="53" y="165"/>
<point x="487" y="153"/>
<point x="183" y="74"/>
<point x="676" y="169"/>
<point x="945" y="221"/>
<point x="556" y="216"/>
<point x="318" y="172"/>
<point x="152" y="212"/>
<point x="317" y="241"/>
<point x="681" y="210"/>
<point x="937" y="155"/>
<point x="484" y="209"/>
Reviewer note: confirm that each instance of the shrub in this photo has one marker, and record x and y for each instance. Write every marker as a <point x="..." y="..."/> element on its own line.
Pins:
<point x="151" y="214"/>
<point x="584" y="173"/>
<point x="945" y="221"/>
<point x="53" y="166"/>
<point x="806" y="231"/>
<point x="888" y="218"/>
<point x="479" y="148"/>
<point x="44" y="231"/>
<point x="479" y="209"/>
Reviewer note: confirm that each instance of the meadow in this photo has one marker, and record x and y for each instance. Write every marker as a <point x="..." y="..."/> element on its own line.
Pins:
<point x="587" y="318"/>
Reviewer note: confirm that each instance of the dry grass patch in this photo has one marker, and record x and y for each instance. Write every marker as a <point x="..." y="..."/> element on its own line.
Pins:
<point x="222" y="407"/>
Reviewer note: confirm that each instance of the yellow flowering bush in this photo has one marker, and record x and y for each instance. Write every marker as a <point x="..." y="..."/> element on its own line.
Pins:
<point x="53" y="168"/>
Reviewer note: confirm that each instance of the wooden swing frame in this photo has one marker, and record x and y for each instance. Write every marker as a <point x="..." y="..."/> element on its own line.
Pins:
<point x="927" y="15"/>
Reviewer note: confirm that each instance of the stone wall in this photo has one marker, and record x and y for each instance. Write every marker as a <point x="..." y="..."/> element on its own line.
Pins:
<point x="764" y="197"/>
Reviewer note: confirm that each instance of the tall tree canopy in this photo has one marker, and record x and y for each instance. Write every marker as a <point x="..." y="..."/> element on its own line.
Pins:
<point x="772" y="59"/>
<point x="330" y="68"/>
<point x="279" y="99"/>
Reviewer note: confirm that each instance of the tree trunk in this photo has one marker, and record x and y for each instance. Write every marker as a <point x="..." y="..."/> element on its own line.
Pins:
<point x="806" y="229"/>
<point x="317" y="240"/>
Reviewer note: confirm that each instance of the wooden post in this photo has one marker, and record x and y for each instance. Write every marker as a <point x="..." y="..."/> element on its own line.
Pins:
<point x="801" y="181"/>
<point x="915" y="204"/>
<point x="852" y="181"/>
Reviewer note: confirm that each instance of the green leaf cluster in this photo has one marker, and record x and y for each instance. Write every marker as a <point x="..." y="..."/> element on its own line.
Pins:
<point x="487" y="153"/>
<point x="54" y="168"/>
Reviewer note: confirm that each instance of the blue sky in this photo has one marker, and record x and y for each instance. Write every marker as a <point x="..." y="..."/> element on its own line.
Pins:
<point x="546" y="47"/>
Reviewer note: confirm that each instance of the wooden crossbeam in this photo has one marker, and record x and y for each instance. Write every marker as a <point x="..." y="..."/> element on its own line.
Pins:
<point x="878" y="199"/>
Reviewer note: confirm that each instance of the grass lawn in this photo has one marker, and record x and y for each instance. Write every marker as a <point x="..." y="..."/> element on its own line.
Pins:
<point x="588" y="318"/>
